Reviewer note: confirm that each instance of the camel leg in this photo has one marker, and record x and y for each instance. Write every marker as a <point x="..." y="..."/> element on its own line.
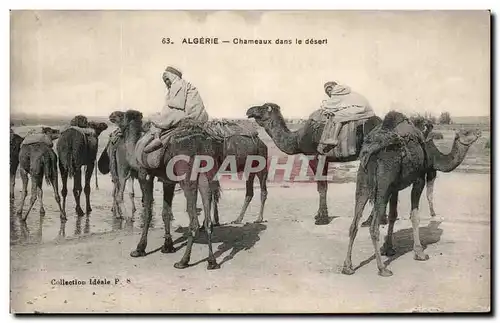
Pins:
<point x="96" y="181"/>
<point x="388" y="248"/>
<point x="88" y="177"/>
<point x="206" y="197"/>
<point x="168" y="196"/>
<point x="322" y="185"/>
<point x="12" y="185"/>
<point x="215" y="189"/>
<point x="380" y="207"/>
<point x="122" y="181"/>
<point x="55" y="187"/>
<point x="114" y="208"/>
<point x="25" y="180"/>
<point x="14" y="164"/>
<point x="131" y="193"/>
<point x="40" y="196"/>
<point x="147" y="191"/>
<point x="64" y="180"/>
<point x="248" y="198"/>
<point x="431" y="178"/>
<point x="77" y="190"/>
<point x="190" y="192"/>
<point x="362" y="194"/>
<point x="383" y="181"/>
<point x="416" y="192"/>
<point x="263" y="194"/>
<point x="33" y="198"/>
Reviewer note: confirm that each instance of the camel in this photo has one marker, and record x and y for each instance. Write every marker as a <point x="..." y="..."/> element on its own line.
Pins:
<point x="391" y="168"/>
<point x="38" y="160"/>
<point x="305" y="140"/>
<point x="187" y="140"/>
<point x="426" y="127"/>
<point x="232" y="147"/>
<point x="15" y="147"/>
<point x="76" y="149"/>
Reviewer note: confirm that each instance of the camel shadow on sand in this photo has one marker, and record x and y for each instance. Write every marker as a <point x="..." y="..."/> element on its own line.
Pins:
<point x="234" y="238"/>
<point x="403" y="241"/>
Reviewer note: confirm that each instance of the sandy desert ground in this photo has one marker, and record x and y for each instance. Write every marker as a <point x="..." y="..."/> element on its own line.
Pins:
<point x="286" y="264"/>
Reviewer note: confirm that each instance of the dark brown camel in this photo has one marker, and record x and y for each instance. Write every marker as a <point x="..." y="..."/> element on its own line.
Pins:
<point x="187" y="140"/>
<point x="38" y="160"/>
<point x="75" y="150"/>
<point x="457" y="153"/>
<point x="236" y="148"/>
<point x="15" y="148"/>
<point x="304" y="141"/>
<point x="391" y="169"/>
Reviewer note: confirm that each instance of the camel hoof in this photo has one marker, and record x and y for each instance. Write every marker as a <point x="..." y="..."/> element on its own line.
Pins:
<point x="213" y="265"/>
<point x="321" y="221"/>
<point x="367" y="223"/>
<point x="389" y="252"/>
<point x="385" y="272"/>
<point x="421" y="256"/>
<point x="236" y="222"/>
<point x="42" y="212"/>
<point x="180" y="265"/>
<point x="138" y="253"/>
<point x="433" y="214"/>
<point x="64" y="219"/>
<point x="347" y="270"/>
<point x="216" y="224"/>
<point x="167" y="249"/>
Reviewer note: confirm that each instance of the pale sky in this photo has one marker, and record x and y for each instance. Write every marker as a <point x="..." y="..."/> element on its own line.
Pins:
<point x="95" y="62"/>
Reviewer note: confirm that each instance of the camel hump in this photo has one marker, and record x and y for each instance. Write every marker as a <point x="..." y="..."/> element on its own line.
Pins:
<point x="227" y="128"/>
<point x="393" y="119"/>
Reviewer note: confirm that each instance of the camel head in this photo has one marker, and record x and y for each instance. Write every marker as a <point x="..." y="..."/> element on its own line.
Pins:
<point x="116" y="117"/>
<point x="131" y="118"/>
<point x="467" y="136"/>
<point x="79" y="121"/>
<point x="52" y="133"/>
<point x="264" y="113"/>
<point x="99" y="127"/>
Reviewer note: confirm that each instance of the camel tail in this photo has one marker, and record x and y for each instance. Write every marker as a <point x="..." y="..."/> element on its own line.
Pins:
<point x="104" y="162"/>
<point x="216" y="191"/>
<point x="372" y="180"/>
<point x="50" y="168"/>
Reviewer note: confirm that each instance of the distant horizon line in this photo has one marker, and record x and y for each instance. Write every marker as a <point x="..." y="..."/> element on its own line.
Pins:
<point x="39" y="115"/>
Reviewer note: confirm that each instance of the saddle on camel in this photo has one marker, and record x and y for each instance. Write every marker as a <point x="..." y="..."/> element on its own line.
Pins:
<point x="45" y="135"/>
<point x="342" y="113"/>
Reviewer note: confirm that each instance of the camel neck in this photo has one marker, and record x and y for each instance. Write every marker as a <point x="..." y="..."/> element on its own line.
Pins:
<point x="132" y="135"/>
<point x="285" y="140"/>
<point x="447" y="162"/>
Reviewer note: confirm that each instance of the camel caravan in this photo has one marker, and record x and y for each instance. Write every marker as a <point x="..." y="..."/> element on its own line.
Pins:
<point x="394" y="153"/>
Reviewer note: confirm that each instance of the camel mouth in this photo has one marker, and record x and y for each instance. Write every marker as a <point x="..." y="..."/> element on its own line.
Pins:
<point x="252" y="113"/>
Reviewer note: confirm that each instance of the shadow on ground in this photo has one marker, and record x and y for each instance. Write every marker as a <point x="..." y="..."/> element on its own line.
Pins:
<point x="403" y="241"/>
<point x="234" y="238"/>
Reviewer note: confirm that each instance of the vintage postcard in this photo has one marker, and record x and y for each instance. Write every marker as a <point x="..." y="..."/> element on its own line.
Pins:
<point x="250" y="161"/>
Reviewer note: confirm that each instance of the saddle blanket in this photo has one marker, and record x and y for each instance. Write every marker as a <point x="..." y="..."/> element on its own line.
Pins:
<point x="217" y="129"/>
<point x="37" y="138"/>
<point x="398" y="135"/>
<point x="347" y="138"/>
<point x="152" y="159"/>
<point x="84" y="131"/>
